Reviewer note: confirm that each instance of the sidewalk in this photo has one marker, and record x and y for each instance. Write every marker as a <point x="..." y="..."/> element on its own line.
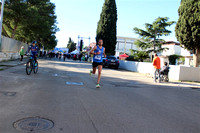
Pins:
<point x="177" y="82"/>
<point x="11" y="63"/>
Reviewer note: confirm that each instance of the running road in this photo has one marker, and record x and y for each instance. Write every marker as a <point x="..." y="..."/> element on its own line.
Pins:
<point x="127" y="102"/>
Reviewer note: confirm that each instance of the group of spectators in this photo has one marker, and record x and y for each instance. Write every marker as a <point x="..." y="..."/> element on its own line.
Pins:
<point x="64" y="55"/>
<point x="59" y="55"/>
<point x="81" y="57"/>
<point x="158" y="71"/>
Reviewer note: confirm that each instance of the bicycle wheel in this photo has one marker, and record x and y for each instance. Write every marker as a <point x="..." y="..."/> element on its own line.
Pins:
<point x="28" y="67"/>
<point x="36" y="67"/>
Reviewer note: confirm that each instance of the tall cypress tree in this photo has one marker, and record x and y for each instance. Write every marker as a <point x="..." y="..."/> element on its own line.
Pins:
<point x="188" y="27"/>
<point x="107" y="26"/>
<point x="71" y="45"/>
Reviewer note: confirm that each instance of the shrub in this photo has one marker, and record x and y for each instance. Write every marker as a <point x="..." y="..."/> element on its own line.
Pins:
<point x="131" y="58"/>
<point x="172" y="59"/>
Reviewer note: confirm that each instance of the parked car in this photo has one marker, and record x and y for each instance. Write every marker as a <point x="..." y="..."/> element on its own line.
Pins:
<point x="111" y="61"/>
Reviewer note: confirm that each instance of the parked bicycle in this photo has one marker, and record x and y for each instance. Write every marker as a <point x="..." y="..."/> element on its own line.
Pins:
<point x="31" y="65"/>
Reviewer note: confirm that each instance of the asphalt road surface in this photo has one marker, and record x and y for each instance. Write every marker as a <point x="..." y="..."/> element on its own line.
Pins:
<point x="62" y="98"/>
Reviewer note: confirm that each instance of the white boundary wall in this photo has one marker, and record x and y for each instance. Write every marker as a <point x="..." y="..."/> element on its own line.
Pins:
<point x="176" y="72"/>
<point x="10" y="48"/>
<point x="190" y="73"/>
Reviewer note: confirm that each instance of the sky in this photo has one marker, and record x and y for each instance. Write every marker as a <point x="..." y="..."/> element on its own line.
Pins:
<point x="80" y="17"/>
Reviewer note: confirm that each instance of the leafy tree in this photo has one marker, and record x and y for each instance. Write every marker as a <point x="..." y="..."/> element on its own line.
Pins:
<point x="131" y="58"/>
<point x="49" y="42"/>
<point x="107" y="26"/>
<point x="139" y="55"/>
<point x="188" y="27"/>
<point x="86" y="48"/>
<point x="150" y="38"/>
<point x="28" y="20"/>
<point x="14" y="13"/>
<point x="173" y="58"/>
<point x="71" y="45"/>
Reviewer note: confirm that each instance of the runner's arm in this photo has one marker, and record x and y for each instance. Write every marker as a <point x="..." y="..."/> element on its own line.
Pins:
<point x="104" y="53"/>
<point x="92" y="51"/>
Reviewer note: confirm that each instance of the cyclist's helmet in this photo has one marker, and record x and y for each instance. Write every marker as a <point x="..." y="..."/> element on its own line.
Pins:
<point x="34" y="42"/>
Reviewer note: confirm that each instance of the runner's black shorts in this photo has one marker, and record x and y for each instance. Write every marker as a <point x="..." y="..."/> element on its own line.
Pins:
<point x="95" y="64"/>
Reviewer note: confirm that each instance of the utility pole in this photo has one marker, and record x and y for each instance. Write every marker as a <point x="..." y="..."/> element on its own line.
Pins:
<point x="78" y="44"/>
<point x="1" y="20"/>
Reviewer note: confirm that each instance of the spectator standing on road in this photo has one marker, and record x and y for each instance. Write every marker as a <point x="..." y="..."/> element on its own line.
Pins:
<point x="156" y="64"/>
<point x="86" y="57"/>
<point x="80" y="56"/>
<point x="64" y="55"/>
<point x="83" y="58"/>
<point x="59" y="55"/>
<point x="21" y="52"/>
<point x="98" y="52"/>
<point x="45" y="53"/>
<point x="74" y="57"/>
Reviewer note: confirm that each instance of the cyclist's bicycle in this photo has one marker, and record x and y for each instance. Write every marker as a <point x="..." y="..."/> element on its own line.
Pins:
<point x="31" y="65"/>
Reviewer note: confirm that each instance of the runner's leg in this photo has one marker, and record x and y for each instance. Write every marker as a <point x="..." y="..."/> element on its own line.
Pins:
<point x="99" y="73"/>
<point x="94" y="67"/>
<point x="94" y="70"/>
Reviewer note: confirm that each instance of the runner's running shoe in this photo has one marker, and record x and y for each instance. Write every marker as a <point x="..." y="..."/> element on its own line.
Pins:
<point x="90" y="72"/>
<point x="97" y="86"/>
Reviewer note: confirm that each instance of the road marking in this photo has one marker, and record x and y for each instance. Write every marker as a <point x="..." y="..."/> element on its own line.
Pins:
<point x="74" y="83"/>
<point x="123" y="78"/>
<point x="8" y="93"/>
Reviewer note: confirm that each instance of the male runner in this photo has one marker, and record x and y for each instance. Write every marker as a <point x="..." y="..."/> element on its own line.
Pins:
<point x="98" y="51"/>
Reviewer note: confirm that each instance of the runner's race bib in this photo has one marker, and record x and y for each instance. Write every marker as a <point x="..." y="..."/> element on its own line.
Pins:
<point x="98" y="57"/>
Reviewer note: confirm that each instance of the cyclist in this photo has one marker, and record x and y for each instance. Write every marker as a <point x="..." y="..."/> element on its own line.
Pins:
<point x="34" y="50"/>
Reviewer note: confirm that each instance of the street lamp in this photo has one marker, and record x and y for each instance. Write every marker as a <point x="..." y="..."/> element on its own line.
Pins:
<point x="1" y="20"/>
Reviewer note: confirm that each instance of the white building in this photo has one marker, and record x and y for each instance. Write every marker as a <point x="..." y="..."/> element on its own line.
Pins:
<point x="124" y="44"/>
<point x="176" y="48"/>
